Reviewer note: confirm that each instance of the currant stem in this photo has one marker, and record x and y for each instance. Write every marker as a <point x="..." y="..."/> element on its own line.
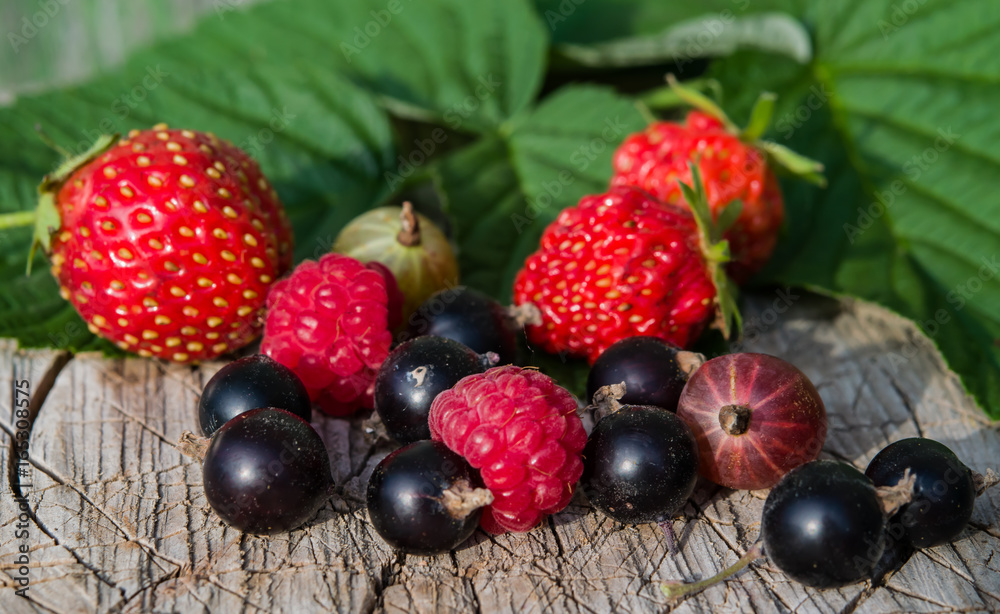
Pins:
<point x="735" y="419"/>
<point x="689" y="362"/>
<point x="193" y="446"/>
<point x="605" y="401"/>
<point x="17" y="220"/>
<point x="410" y="234"/>
<point x="984" y="482"/>
<point x="891" y="498"/>
<point x="462" y="499"/>
<point x="525" y="315"/>
<point x="678" y="590"/>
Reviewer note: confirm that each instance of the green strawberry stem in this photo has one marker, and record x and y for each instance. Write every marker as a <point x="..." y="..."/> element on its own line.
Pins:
<point x="716" y="250"/>
<point x="17" y="219"/>
<point x="760" y="117"/>
<point x="46" y="215"/>
<point x="700" y="101"/>
<point x="48" y="140"/>
<point x="663" y="98"/>
<point x="677" y="590"/>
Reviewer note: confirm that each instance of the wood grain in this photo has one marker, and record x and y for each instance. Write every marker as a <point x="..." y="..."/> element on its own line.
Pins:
<point x="130" y="528"/>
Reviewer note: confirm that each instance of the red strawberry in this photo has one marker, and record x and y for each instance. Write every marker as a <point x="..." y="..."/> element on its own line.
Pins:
<point x="165" y="242"/>
<point x="733" y="165"/>
<point x="618" y="265"/>
<point x="657" y="159"/>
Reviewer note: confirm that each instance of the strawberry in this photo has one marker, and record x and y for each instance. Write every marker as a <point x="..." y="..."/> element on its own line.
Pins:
<point x="623" y="264"/>
<point x="165" y="242"/>
<point x="734" y="165"/>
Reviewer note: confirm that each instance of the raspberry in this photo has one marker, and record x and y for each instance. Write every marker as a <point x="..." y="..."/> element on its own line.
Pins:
<point x="521" y="430"/>
<point x="617" y="265"/>
<point x="328" y="322"/>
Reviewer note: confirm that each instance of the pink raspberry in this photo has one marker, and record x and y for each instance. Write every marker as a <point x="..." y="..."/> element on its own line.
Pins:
<point x="328" y="322"/>
<point x="522" y="432"/>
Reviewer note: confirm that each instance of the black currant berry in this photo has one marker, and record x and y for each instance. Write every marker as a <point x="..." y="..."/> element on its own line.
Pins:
<point x="943" y="495"/>
<point x="823" y="525"/>
<point x="640" y="464"/>
<point x="413" y="375"/>
<point x="469" y="317"/>
<point x="266" y="471"/>
<point x="649" y="367"/>
<point x="249" y="383"/>
<point x="425" y="499"/>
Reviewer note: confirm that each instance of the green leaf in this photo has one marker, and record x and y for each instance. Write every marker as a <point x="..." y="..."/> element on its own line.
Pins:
<point x="502" y="191"/>
<point x="470" y="65"/>
<point x="710" y="35"/>
<point x="901" y="110"/>
<point x="323" y="143"/>
<point x="590" y="23"/>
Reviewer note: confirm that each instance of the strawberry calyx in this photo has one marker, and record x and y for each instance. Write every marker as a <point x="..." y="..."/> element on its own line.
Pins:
<point x="760" y="118"/>
<point x="715" y="249"/>
<point x="46" y="215"/>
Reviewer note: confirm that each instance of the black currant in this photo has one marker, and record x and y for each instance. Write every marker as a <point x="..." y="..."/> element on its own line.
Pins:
<point x="250" y="383"/>
<point x="425" y="499"/>
<point x="823" y="525"/>
<point x="413" y="375"/>
<point x="469" y="317"/>
<point x="943" y="495"/>
<point x="653" y="372"/>
<point x="266" y="471"/>
<point x="640" y="464"/>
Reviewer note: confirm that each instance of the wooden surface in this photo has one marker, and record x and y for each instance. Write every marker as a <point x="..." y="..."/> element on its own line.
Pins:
<point x="121" y="523"/>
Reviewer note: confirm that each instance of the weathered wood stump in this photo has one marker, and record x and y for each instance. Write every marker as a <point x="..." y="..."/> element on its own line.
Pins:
<point x="119" y="521"/>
